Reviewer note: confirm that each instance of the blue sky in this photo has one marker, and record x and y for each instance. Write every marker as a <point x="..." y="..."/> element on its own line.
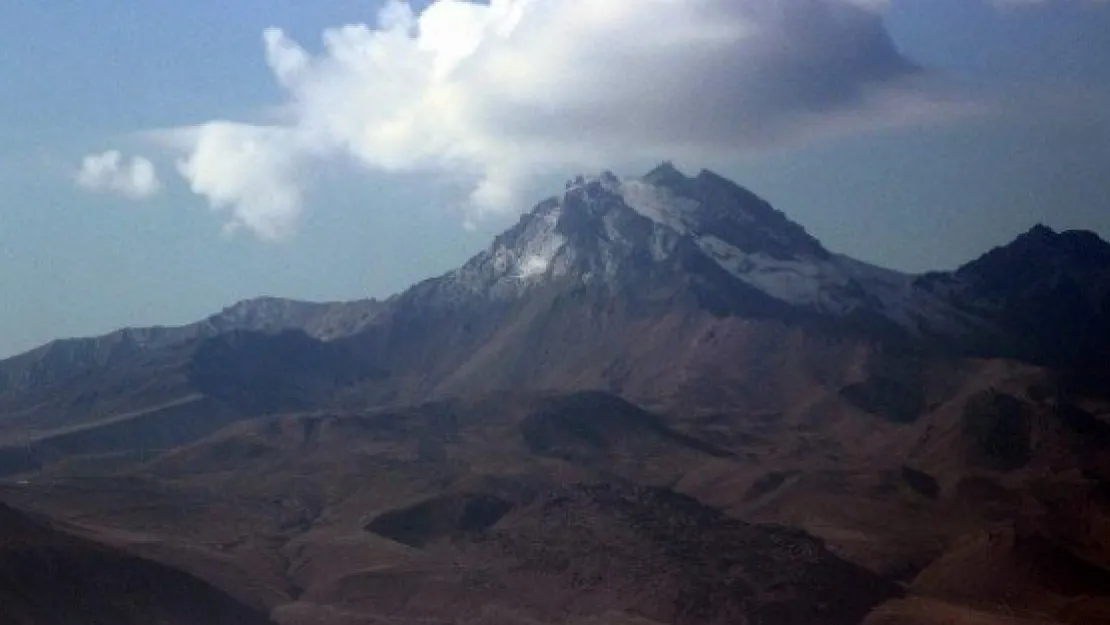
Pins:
<point x="84" y="78"/>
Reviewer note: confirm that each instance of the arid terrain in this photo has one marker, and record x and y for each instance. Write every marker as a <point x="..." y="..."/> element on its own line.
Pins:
<point x="651" y="428"/>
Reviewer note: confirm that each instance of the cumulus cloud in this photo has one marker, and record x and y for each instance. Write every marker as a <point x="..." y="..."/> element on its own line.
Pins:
<point x="136" y="178"/>
<point x="502" y="91"/>
<point x="250" y="171"/>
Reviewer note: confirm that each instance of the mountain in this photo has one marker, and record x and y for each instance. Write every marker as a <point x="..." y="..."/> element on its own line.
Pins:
<point x="656" y="368"/>
<point x="1044" y="297"/>
<point x="1047" y="293"/>
<point x="148" y="388"/>
<point x="66" y="359"/>
<point x="663" y="288"/>
<point x="619" y="284"/>
<point x="734" y="253"/>
<point x="664" y="241"/>
<point x="666" y="288"/>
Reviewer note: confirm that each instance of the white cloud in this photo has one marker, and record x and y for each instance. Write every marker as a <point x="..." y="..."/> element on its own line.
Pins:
<point x="502" y="91"/>
<point x="109" y="172"/>
<point x="250" y="171"/>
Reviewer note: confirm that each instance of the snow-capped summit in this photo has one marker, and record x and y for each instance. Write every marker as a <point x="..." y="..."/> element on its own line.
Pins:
<point x="611" y="230"/>
<point x="601" y="221"/>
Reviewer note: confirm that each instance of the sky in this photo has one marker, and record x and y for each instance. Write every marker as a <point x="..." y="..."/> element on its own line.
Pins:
<point x="161" y="160"/>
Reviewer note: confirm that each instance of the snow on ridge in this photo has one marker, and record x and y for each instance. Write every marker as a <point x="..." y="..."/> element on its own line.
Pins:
<point x="838" y="285"/>
<point x="654" y="202"/>
<point x="544" y="245"/>
<point x="801" y="282"/>
<point x="533" y="253"/>
<point x="658" y="204"/>
<point x="905" y="303"/>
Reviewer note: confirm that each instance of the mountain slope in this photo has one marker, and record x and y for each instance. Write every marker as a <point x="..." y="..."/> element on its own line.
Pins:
<point x="667" y="288"/>
<point x="48" y="577"/>
<point x="64" y="360"/>
<point x="645" y="551"/>
<point x="1047" y="292"/>
<point x="546" y="507"/>
<point x="701" y="241"/>
<point x="468" y="508"/>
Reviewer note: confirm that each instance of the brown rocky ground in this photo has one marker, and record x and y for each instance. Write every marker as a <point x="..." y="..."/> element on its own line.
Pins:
<point x="989" y="504"/>
<point x="50" y="577"/>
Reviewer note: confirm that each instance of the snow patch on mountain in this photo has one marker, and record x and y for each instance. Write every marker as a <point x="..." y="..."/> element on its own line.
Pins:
<point x="659" y="205"/>
<point x="523" y="256"/>
<point x="587" y="234"/>
<point x="533" y="266"/>
<point x="832" y="284"/>
<point x="533" y="252"/>
<point x="839" y="286"/>
<point x="802" y="282"/>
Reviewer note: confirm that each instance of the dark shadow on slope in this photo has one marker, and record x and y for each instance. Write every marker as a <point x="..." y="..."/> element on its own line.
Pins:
<point x="264" y="373"/>
<point x="439" y="518"/>
<point x="921" y="482"/>
<point x="887" y="397"/>
<point x="594" y="423"/>
<point x="997" y="431"/>
<point x="15" y="460"/>
<point x="48" y="577"/>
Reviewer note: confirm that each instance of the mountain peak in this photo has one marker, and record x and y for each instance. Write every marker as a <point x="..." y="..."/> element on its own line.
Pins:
<point x="665" y="225"/>
<point x="1074" y="239"/>
<point x="717" y="241"/>
<point x="1042" y="248"/>
<point x="666" y="175"/>
<point x="1040" y="231"/>
<point x="706" y="205"/>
